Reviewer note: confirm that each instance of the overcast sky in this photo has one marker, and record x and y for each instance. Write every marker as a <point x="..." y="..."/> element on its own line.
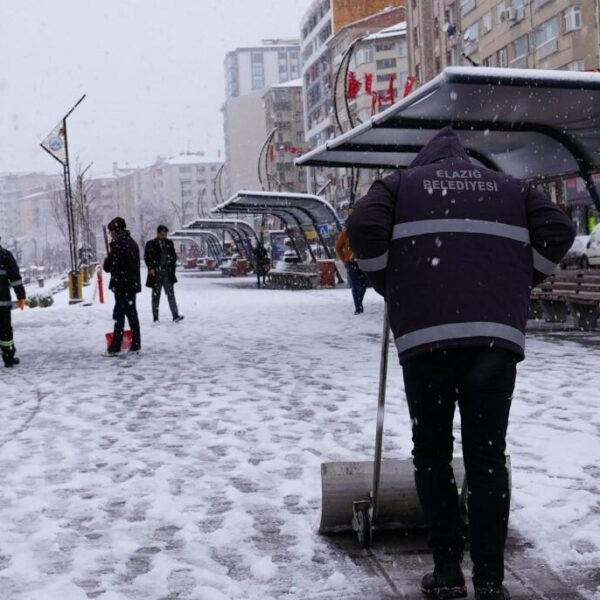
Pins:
<point x="152" y="71"/>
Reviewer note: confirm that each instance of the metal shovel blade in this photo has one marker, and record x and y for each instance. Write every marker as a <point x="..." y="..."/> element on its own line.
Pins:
<point x="398" y="506"/>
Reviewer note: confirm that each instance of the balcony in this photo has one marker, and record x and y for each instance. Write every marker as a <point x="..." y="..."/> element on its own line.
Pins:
<point x="546" y="49"/>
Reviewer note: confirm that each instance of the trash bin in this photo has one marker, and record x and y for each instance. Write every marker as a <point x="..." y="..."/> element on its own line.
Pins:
<point x="327" y="272"/>
<point x="41" y="282"/>
<point x="242" y="267"/>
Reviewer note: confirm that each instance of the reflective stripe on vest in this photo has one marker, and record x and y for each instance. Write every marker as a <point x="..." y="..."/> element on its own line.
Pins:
<point x="5" y="303"/>
<point x="513" y="232"/>
<point x="6" y="344"/>
<point x="16" y="283"/>
<point x="542" y="264"/>
<point x="454" y="331"/>
<point x="368" y="265"/>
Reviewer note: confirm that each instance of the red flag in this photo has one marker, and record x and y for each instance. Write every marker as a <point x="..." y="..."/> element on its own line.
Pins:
<point x="375" y="102"/>
<point x="409" y="85"/>
<point x="390" y="95"/>
<point x="368" y="83"/>
<point x="272" y="154"/>
<point x="354" y="86"/>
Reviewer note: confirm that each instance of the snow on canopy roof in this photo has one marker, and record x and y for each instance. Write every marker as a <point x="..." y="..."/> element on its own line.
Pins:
<point x="292" y="83"/>
<point x="392" y="31"/>
<point x="224" y="224"/>
<point x="526" y="122"/>
<point x="305" y="209"/>
<point x="189" y="159"/>
<point x="194" y="233"/>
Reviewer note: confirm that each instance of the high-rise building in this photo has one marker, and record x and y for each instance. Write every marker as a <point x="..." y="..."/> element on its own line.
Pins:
<point x="322" y="20"/>
<point x="248" y="72"/>
<point x="257" y="67"/>
<point x="284" y="112"/>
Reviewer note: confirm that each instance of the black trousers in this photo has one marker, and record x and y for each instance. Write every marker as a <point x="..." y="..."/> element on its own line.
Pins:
<point x="7" y="345"/>
<point x="125" y="306"/>
<point x="481" y="381"/>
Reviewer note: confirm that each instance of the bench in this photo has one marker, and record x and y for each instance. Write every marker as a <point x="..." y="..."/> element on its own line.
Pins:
<point x="298" y="276"/>
<point x="574" y="292"/>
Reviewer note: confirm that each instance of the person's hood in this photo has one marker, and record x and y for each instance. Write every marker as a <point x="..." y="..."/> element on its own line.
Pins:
<point x="444" y="145"/>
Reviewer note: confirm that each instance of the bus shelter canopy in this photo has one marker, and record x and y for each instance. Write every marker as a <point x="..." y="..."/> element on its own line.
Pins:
<point x="305" y="209"/>
<point x="533" y="124"/>
<point x="229" y="225"/>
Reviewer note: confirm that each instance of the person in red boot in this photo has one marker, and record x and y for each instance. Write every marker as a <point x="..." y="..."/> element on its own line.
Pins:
<point x="9" y="277"/>
<point x="123" y="264"/>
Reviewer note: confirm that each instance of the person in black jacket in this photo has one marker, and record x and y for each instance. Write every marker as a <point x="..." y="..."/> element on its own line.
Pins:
<point x="261" y="262"/>
<point x="455" y="248"/>
<point x="123" y="264"/>
<point x="9" y="277"/>
<point x="161" y="260"/>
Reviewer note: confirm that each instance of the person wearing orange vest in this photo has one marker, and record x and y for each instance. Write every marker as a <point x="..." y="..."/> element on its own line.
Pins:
<point x="356" y="278"/>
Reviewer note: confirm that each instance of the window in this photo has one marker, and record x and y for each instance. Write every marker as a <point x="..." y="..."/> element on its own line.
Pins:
<point x="486" y="23"/>
<point x="384" y="47"/>
<point x="386" y="63"/>
<point x="520" y="47"/>
<point x="258" y="70"/>
<point x="402" y="49"/>
<point x="572" y="18"/>
<point x="416" y="36"/>
<point x="364" y="55"/>
<point x="576" y="65"/>
<point x="546" y="32"/>
<point x="467" y="6"/>
<point x="185" y="169"/>
<point x="500" y="9"/>
<point x="502" y="57"/>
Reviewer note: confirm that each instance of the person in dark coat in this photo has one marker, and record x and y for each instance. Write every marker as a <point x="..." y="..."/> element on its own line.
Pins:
<point x="10" y="277"/>
<point x="455" y="249"/>
<point x="261" y="262"/>
<point x="161" y="260"/>
<point x="123" y="264"/>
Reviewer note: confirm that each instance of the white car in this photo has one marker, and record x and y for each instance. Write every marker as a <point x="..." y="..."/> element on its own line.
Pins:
<point x="574" y="257"/>
<point x="591" y="254"/>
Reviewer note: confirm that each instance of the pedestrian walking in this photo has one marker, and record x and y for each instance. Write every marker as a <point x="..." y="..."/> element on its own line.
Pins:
<point x="9" y="277"/>
<point x="261" y="262"/>
<point x="123" y="264"/>
<point x="455" y="248"/>
<point x="356" y="278"/>
<point x="161" y="260"/>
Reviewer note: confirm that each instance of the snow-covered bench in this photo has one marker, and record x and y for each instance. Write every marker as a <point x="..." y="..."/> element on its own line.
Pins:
<point x="575" y="292"/>
<point x="295" y="276"/>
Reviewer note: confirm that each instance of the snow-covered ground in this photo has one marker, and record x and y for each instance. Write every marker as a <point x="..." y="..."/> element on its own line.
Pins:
<point x="193" y="469"/>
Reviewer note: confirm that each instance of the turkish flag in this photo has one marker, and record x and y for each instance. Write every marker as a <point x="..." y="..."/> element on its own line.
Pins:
<point x="390" y="95"/>
<point x="368" y="83"/>
<point x="354" y="86"/>
<point x="409" y="85"/>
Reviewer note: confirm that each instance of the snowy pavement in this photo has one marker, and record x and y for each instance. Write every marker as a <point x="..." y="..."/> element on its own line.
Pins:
<point x="192" y="471"/>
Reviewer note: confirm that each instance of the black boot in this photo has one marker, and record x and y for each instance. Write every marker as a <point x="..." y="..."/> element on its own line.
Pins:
<point x="491" y="592"/>
<point x="8" y="356"/>
<point x="445" y="582"/>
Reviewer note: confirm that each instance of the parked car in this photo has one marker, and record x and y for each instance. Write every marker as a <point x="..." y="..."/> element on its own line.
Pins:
<point x="574" y="257"/>
<point x="591" y="254"/>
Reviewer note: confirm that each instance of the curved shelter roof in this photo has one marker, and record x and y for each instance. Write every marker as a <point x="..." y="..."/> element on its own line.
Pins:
<point x="229" y="225"/>
<point x="212" y="239"/>
<point x="530" y="123"/>
<point x="305" y="209"/>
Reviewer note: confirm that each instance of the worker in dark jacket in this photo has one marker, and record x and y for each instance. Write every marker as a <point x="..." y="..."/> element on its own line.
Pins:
<point x="261" y="262"/>
<point x="9" y="277"/>
<point x="161" y="260"/>
<point x="455" y="248"/>
<point x="123" y="264"/>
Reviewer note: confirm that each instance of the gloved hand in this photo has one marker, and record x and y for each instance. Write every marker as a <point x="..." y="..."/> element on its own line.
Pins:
<point x="22" y="303"/>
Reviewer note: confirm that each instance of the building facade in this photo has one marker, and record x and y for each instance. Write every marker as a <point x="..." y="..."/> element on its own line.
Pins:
<point x="323" y="20"/>
<point x="538" y="34"/>
<point x="255" y="68"/>
<point x="284" y="112"/>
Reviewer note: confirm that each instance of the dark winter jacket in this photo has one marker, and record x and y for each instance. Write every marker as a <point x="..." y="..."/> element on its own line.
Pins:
<point x="9" y="277"/>
<point x="123" y="264"/>
<point x="261" y="258"/>
<point x="152" y="260"/>
<point x="455" y="249"/>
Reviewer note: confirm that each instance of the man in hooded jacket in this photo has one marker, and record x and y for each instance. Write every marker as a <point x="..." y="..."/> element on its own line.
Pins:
<point x="123" y="264"/>
<point x="10" y="277"/>
<point x="455" y="248"/>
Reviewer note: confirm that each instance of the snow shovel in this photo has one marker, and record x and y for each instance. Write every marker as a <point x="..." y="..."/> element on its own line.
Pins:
<point x="369" y="495"/>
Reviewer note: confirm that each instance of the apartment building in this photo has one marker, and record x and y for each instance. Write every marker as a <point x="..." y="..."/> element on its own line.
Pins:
<point x="284" y="110"/>
<point x="323" y="20"/>
<point x="540" y="34"/>
<point x="254" y="68"/>
<point x="536" y="34"/>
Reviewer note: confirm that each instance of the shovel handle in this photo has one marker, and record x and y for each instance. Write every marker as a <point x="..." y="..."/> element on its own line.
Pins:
<point x="385" y="339"/>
